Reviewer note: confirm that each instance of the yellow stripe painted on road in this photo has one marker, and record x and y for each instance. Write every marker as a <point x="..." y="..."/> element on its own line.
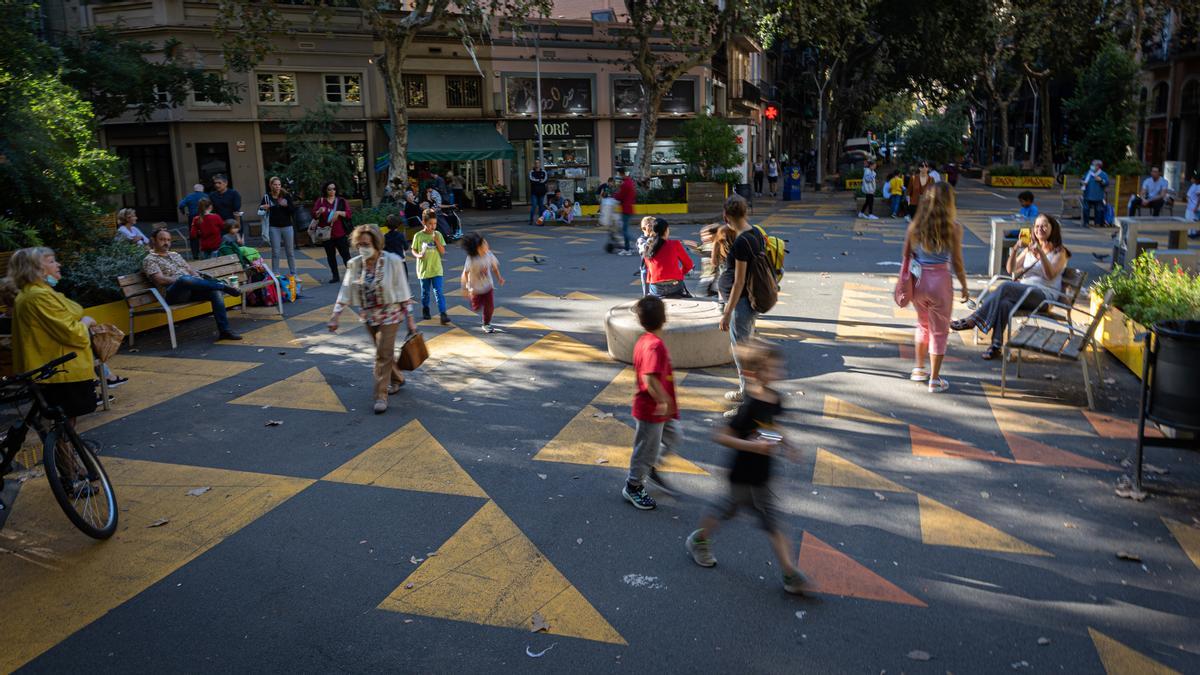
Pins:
<point x="529" y="324"/>
<point x="1188" y="537"/>
<point x="836" y="407"/>
<point x="559" y="347"/>
<point x="578" y="295"/>
<point x="272" y="335"/>
<point x="526" y="268"/>
<point x="306" y="390"/>
<point x="457" y="358"/>
<point x="409" y="459"/>
<point x="944" y="526"/>
<point x="538" y="295"/>
<point x="1118" y="659"/>
<point x="155" y="379"/>
<point x="590" y="438"/>
<point x="1016" y="416"/>
<point x="490" y="573"/>
<point x="835" y="471"/>
<point x="57" y="581"/>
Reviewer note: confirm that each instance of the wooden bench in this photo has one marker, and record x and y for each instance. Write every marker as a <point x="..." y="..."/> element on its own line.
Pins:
<point x="143" y="297"/>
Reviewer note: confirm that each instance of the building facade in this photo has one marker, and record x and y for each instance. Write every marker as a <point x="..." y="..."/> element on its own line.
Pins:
<point x="482" y="100"/>
<point x="1169" y="127"/>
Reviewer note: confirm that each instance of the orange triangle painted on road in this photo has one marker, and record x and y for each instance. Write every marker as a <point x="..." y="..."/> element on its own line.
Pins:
<point x="1028" y="451"/>
<point x="1112" y="427"/>
<point x="832" y="572"/>
<point x="926" y="443"/>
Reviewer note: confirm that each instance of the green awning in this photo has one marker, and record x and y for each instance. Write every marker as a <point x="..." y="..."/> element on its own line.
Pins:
<point x="454" y="141"/>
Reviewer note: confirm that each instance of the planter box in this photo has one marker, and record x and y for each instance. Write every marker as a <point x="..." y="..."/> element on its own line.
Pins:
<point x="593" y="210"/>
<point x="1024" y="182"/>
<point x="706" y="197"/>
<point x="852" y="184"/>
<point x="1116" y="333"/>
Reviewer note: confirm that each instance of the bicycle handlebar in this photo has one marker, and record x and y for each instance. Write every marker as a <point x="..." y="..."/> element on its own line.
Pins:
<point x="44" y="371"/>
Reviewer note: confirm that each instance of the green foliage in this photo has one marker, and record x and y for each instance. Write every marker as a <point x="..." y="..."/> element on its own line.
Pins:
<point x="14" y="235"/>
<point x="377" y="215"/>
<point x="707" y="144"/>
<point x="1103" y="109"/>
<point x="1149" y="291"/>
<point x="890" y="113"/>
<point x="937" y="139"/>
<point x="54" y="172"/>
<point x="1127" y="167"/>
<point x="115" y="74"/>
<point x="90" y="276"/>
<point x="312" y="158"/>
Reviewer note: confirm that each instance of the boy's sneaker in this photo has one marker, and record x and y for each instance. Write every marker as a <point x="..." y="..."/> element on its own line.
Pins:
<point x="424" y="313"/>
<point x="445" y="319"/>
<point x="872" y="217"/>
<point x="794" y="583"/>
<point x="489" y="328"/>
<point x="658" y="481"/>
<point x="731" y="413"/>
<point x="861" y="214"/>
<point x="638" y="497"/>
<point x="734" y="396"/>
<point x="699" y="550"/>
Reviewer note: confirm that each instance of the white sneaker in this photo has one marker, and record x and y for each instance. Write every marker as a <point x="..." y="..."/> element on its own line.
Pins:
<point x="938" y="386"/>
<point x="873" y="217"/>
<point x="862" y="215"/>
<point x="734" y="396"/>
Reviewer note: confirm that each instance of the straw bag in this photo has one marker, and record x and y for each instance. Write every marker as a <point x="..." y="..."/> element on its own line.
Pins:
<point x="106" y="340"/>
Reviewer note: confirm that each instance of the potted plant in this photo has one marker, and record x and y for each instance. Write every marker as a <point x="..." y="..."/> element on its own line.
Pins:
<point x="707" y="145"/>
<point x="1146" y="292"/>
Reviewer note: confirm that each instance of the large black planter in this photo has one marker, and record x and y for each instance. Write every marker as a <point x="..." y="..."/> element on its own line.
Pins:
<point x="1171" y="386"/>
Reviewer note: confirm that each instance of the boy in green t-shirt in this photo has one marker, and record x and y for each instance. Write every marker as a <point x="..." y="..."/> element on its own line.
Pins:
<point x="428" y="247"/>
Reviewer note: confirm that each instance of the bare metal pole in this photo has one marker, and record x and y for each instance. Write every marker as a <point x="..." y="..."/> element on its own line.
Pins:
<point x="537" y="57"/>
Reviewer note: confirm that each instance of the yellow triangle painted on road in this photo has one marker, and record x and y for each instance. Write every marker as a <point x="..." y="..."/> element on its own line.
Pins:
<point x="620" y="390"/>
<point x="456" y="357"/>
<point x="1188" y="537"/>
<point x="459" y="310"/>
<point x="490" y="573"/>
<point x="408" y="459"/>
<point x="274" y="334"/>
<point x="559" y="347"/>
<point x="1118" y="659"/>
<point x="538" y="295"/>
<point x="524" y="258"/>
<point x="308" y="281"/>
<point x="590" y="438"/>
<point x="526" y="268"/>
<point x="836" y="471"/>
<point x="306" y="390"/>
<point x="836" y="407"/>
<point x="529" y="324"/>
<point x="578" y="295"/>
<point x="1028" y="416"/>
<point x="506" y="313"/>
<point x="944" y="526"/>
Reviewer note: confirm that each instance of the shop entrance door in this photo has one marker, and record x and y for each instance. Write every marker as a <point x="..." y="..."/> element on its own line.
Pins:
<point x="521" y="166"/>
<point x="153" y="180"/>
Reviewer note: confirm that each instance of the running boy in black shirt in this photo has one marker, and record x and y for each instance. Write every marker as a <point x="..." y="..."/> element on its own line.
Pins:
<point x="749" y="480"/>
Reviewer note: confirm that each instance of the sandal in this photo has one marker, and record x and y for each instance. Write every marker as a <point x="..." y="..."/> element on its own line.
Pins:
<point x="963" y="324"/>
<point x="918" y="375"/>
<point x="938" y="386"/>
<point x="990" y="353"/>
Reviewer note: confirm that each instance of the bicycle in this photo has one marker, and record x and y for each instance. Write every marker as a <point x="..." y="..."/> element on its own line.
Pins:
<point x="77" y="479"/>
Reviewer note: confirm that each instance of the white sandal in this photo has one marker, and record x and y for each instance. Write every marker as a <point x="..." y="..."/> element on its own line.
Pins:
<point x="938" y="386"/>
<point x="918" y="375"/>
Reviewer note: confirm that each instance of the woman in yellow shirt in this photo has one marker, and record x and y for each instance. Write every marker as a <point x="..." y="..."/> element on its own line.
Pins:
<point x="47" y="325"/>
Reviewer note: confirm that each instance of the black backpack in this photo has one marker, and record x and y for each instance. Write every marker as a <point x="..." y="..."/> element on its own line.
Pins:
<point x="761" y="284"/>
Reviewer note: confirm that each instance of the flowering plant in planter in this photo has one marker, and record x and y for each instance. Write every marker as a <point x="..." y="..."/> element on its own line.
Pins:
<point x="1149" y="291"/>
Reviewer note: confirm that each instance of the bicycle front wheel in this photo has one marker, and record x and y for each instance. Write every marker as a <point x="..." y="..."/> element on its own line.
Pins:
<point x="79" y="483"/>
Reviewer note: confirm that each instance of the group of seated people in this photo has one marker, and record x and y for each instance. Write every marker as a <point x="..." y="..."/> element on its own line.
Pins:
<point x="558" y="209"/>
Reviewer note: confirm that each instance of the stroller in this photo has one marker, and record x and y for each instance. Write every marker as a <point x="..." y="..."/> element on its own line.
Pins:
<point x="610" y="220"/>
<point x="449" y="222"/>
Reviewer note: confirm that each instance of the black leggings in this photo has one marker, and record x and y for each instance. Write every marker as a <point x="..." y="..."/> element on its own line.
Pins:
<point x="339" y="245"/>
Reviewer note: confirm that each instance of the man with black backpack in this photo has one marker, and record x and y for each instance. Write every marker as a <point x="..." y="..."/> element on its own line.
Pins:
<point x="748" y="283"/>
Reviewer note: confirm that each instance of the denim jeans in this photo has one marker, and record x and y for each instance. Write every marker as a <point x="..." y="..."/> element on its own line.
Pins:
<point x="429" y="285"/>
<point x="198" y="289"/>
<point x="741" y="328"/>
<point x="537" y="204"/>
<point x="283" y="237"/>
<point x="626" y="218"/>
<point x="895" y="199"/>
<point x="1091" y="207"/>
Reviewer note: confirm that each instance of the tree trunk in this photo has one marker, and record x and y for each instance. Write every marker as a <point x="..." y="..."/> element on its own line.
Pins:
<point x="1047" y="124"/>
<point x="391" y="70"/>
<point x="1002" y="107"/>
<point x="648" y="129"/>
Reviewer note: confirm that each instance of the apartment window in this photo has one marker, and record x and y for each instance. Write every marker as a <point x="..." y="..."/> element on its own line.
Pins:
<point x="198" y="99"/>
<point x="416" y="91"/>
<point x="344" y="89"/>
<point x="277" y="88"/>
<point x="463" y="92"/>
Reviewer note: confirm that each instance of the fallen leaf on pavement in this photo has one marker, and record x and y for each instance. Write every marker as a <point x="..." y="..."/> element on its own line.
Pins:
<point x="1154" y="469"/>
<point x="1110" y="380"/>
<point x="1072" y="526"/>
<point x="1043" y="641"/>
<point x="1017" y="665"/>
<point x="408" y="585"/>
<point x="158" y="523"/>
<point x="1126" y="555"/>
<point x="918" y="655"/>
<point x="274" y="423"/>
<point x="542" y="476"/>
<point x="198" y="491"/>
<point x="414" y="559"/>
<point x="538" y="623"/>
<point x="579" y="540"/>
<point x="880" y="497"/>
<point x="538" y="655"/>
<point x="602" y="461"/>
<point x="602" y="415"/>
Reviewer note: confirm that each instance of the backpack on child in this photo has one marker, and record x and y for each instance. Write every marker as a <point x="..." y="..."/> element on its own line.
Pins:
<point x="761" y="282"/>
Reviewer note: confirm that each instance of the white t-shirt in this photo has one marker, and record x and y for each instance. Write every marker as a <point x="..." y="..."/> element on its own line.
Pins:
<point x="1154" y="189"/>
<point x="479" y="273"/>
<point x="1193" y="202"/>
<point x="1035" y="275"/>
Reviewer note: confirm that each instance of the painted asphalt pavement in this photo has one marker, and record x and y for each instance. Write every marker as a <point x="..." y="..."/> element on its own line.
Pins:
<point x="974" y="531"/>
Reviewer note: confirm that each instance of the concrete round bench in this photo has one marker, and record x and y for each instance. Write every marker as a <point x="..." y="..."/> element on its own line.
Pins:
<point x="692" y="333"/>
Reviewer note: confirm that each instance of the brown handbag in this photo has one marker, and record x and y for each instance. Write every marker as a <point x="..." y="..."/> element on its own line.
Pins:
<point x="413" y="352"/>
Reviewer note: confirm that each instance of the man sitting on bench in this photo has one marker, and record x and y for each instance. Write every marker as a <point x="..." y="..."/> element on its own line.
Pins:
<point x="180" y="284"/>
<point x="1155" y="192"/>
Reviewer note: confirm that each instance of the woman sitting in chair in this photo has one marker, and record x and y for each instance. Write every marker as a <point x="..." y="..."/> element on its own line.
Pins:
<point x="1036" y="269"/>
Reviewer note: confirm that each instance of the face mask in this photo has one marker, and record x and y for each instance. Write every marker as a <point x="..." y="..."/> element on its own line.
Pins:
<point x="366" y="251"/>
<point x="52" y="281"/>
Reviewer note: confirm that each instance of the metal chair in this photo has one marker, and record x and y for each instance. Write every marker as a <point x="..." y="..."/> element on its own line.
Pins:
<point x="1061" y="339"/>
<point x="1073" y="280"/>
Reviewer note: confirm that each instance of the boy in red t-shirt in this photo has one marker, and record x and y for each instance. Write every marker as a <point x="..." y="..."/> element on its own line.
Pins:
<point x="654" y="407"/>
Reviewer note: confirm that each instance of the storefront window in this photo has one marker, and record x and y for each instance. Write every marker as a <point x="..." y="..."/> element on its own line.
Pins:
<point x="664" y="160"/>
<point x="568" y="150"/>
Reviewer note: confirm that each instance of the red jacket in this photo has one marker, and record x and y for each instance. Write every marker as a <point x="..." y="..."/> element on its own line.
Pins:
<point x="671" y="263"/>
<point x="208" y="230"/>
<point x="627" y="195"/>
